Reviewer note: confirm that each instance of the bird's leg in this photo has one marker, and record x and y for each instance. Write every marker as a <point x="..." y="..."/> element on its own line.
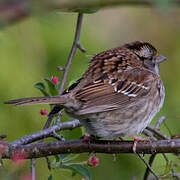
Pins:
<point x="138" y="139"/>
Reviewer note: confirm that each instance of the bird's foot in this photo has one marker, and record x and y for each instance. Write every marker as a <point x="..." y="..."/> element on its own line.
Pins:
<point x="138" y="139"/>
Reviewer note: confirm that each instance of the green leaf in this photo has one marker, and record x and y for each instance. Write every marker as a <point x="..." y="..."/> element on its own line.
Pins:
<point x="52" y="88"/>
<point x="42" y="88"/>
<point x="76" y="133"/>
<point x="50" y="177"/>
<point x="78" y="168"/>
<point x="60" y="157"/>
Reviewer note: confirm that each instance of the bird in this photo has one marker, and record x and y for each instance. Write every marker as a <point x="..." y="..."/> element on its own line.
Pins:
<point x="118" y="95"/>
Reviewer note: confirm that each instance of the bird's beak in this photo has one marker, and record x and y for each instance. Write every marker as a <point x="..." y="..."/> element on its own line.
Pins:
<point x="159" y="58"/>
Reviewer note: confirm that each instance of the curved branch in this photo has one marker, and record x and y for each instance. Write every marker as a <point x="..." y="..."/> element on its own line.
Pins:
<point x="97" y="146"/>
<point x="76" y="44"/>
<point x="46" y="132"/>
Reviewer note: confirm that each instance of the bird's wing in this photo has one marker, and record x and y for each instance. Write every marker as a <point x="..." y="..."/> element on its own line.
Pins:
<point x="110" y="93"/>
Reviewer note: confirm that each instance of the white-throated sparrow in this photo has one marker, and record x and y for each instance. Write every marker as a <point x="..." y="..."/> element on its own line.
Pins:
<point x="117" y="96"/>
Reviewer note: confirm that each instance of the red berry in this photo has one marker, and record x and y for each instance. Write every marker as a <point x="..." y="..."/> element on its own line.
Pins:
<point x="93" y="160"/>
<point x="54" y="79"/>
<point x="43" y="111"/>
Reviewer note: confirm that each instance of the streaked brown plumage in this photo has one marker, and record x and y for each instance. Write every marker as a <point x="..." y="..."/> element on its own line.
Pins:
<point x="118" y="95"/>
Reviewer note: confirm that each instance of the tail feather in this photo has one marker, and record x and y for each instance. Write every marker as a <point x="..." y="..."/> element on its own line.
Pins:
<point x="38" y="100"/>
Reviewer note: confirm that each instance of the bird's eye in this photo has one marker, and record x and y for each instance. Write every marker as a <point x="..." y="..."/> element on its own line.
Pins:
<point x="156" y="53"/>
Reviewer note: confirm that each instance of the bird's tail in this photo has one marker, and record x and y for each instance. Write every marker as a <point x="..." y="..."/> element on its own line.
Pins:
<point x="39" y="100"/>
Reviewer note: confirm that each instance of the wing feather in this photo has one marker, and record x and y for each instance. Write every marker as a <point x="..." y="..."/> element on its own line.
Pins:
<point x="102" y="95"/>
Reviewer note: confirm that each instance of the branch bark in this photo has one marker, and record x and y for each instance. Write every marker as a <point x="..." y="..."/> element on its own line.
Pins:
<point x="46" y="132"/>
<point x="14" y="10"/>
<point x="97" y="146"/>
<point x="76" y="44"/>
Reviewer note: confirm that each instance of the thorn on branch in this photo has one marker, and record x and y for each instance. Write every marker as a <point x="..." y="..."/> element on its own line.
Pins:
<point x="80" y="47"/>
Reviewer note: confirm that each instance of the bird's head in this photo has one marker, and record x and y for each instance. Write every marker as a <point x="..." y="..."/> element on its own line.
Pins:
<point x="147" y="53"/>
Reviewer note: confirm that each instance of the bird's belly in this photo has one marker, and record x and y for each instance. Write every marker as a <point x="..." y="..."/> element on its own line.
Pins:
<point x="117" y="123"/>
<point x="120" y="122"/>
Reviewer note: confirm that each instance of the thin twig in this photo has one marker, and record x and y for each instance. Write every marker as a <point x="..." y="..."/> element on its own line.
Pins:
<point x="151" y="159"/>
<point x="46" y="132"/>
<point x="158" y="133"/>
<point x="33" y="161"/>
<point x="160" y="121"/>
<point x="58" y="119"/>
<point x="167" y="128"/>
<point x="57" y="136"/>
<point x="147" y="165"/>
<point x="76" y="44"/>
<point x="48" y="122"/>
<point x="149" y="134"/>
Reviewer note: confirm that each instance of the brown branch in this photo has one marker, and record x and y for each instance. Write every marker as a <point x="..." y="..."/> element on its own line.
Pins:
<point x="14" y="10"/>
<point x="148" y="166"/>
<point x="97" y="146"/>
<point x="157" y="132"/>
<point x="151" y="159"/>
<point x="46" y="132"/>
<point x="33" y="161"/>
<point x="76" y="44"/>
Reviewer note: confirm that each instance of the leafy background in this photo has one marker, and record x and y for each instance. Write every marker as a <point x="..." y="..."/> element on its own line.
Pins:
<point x="31" y="49"/>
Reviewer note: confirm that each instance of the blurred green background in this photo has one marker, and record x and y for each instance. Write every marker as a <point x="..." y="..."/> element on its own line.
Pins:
<point x="31" y="49"/>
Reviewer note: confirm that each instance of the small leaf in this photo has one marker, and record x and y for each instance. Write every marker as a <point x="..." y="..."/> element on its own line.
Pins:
<point x="50" y="177"/>
<point x="78" y="168"/>
<point x="52" y="88"/>
<point x="42" y="88"/>
<point x="60" y="157"/>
